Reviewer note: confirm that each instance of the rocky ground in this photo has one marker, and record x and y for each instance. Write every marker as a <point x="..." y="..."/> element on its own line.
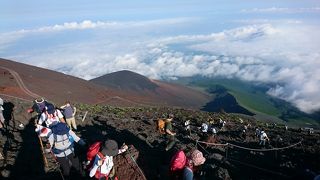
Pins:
<point x="137" y="128"/>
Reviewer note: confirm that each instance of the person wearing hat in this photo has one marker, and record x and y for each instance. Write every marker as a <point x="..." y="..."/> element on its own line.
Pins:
<point x="194" y="160"/>
<point x="51" y="116"/>
<point x="170" y="135"/>
<point x="103" y="163"/>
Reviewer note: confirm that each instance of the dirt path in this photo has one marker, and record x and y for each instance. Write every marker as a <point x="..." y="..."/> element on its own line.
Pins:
<point x="20" y="83"/>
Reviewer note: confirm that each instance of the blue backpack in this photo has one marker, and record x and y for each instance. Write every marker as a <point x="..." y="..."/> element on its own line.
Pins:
<point x="61" y="129"/>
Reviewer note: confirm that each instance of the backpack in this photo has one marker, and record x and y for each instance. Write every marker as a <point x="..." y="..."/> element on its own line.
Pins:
<point x="94" y="150"/>
<point x="161" y="126"/>
<point x="178" y="161"/>
<point x="39" y="106"/>
<point x="61" y="129"/>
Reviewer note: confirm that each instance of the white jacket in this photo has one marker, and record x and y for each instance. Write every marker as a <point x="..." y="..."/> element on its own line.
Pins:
<point x="106" y="165"/>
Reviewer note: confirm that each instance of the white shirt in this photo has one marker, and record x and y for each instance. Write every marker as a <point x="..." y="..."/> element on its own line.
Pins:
<point x="204" y="127"/>
<point x="106" y="166"/>
<point x="50" y="118"/>
<point x="263" y="135"/>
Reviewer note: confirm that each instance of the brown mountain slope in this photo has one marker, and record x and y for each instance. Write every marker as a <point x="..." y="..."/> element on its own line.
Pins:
<point x="152" y="92"/>
<point x="46" y="83"/>
<point x="122" y="88"/>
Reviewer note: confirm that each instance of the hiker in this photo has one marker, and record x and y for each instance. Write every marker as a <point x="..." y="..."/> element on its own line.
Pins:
<point x="258" y="132"/>
<point x="187" y="127"/>
<point x="1" y="122"/>
<point x="38" y="106"/>
<point x="193" y="162"/>
<point x="263" y="138"/>
<point x="61" y="145"/>
<point x="170" y="135"/>
<point x="50" y="116"/>
<point x="244" y="131"/>
<point x="102" y="168"/>
<point x="204" y="129"/>
<point x="69" y="113"/>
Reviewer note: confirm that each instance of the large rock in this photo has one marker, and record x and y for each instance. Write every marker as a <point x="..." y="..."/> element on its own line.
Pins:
<point x="126" y="165"/>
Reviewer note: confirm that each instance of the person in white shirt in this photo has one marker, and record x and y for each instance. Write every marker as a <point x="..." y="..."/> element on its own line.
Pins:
<point x="51" y="116"/>
<point x="263" y="138"/>
<point x="103" y="164"/>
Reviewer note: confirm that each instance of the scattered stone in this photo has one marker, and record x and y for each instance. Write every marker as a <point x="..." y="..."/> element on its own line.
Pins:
<point x="222" y="174"/>
<point x="216" y="156"/>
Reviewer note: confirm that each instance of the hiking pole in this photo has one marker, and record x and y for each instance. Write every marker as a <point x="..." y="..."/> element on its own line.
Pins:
<point x="84" y="117"/>
<point x="43" y="154"/>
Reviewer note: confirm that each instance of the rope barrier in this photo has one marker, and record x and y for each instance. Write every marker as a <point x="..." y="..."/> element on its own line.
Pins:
<point x="273" y="149"/>
<point x="250" y="149"/>
<point x="259" y="168"/>
<point x="214" y="144"/>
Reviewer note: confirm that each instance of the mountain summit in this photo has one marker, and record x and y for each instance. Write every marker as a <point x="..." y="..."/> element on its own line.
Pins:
<point x="126" y="81"/>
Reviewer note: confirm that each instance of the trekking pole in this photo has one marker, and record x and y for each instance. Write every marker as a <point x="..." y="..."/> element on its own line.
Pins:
<point x="43" y="154"/>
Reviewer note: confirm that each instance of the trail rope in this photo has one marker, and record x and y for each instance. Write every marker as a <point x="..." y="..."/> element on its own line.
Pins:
<point x="249" y="149"/>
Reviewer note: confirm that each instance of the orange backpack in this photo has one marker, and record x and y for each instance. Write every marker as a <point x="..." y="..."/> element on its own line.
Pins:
<point x="161" y="126"/>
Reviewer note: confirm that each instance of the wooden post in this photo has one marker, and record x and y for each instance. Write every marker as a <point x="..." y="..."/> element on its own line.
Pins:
<point x="43" y="153"/>
<point x="84" y="117"/>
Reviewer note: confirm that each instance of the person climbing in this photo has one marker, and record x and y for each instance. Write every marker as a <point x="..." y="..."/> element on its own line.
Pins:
<point x="2" y="120"/>
<point x="258" y="132"/>
<point x="204" y="129"/>
<point x="61" y="142"/>
<point x="263" y="138"/>
<point x="187" y="128"/>
<point x="170" y="135"/>
<point x="50" y="116"/>
<point x="193" y="162"/>
<point x="102" y="168"/>
<point x="38" y="106"/>
<point x="69" y="113"/>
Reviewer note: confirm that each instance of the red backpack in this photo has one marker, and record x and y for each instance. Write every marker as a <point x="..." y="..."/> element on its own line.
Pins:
<point x="178" y="162"/>
<point x="92" y="152"/>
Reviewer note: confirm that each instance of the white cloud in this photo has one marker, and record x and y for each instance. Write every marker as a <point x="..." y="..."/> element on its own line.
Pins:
<point x="282" y="10"/>
<point x="286" y="55"/>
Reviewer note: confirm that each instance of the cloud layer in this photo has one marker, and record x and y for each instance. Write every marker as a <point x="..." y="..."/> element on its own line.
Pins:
<point x="285" y="55"/>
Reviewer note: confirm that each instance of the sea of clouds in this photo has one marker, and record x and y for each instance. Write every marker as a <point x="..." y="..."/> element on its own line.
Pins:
<point x="284" y="54"/>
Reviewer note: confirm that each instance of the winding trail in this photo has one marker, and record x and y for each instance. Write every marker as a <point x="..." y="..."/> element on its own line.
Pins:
<point x="20" y="82"/>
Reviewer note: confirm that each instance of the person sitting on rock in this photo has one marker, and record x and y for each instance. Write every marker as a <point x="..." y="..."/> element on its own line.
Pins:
<point x="193" y="162"/>
<point x="102" y="168"/>
<point x="69" y="113"/>
<point x="170" y="135"/>
<point x="263" y="138"/>
<point x="51" y="116"/>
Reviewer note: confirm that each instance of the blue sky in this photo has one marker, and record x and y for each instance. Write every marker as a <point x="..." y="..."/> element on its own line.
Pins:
<point x="270" y="41"/>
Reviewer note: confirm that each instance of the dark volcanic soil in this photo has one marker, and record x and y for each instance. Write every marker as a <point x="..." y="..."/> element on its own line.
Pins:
<point x="136" y="127"/>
